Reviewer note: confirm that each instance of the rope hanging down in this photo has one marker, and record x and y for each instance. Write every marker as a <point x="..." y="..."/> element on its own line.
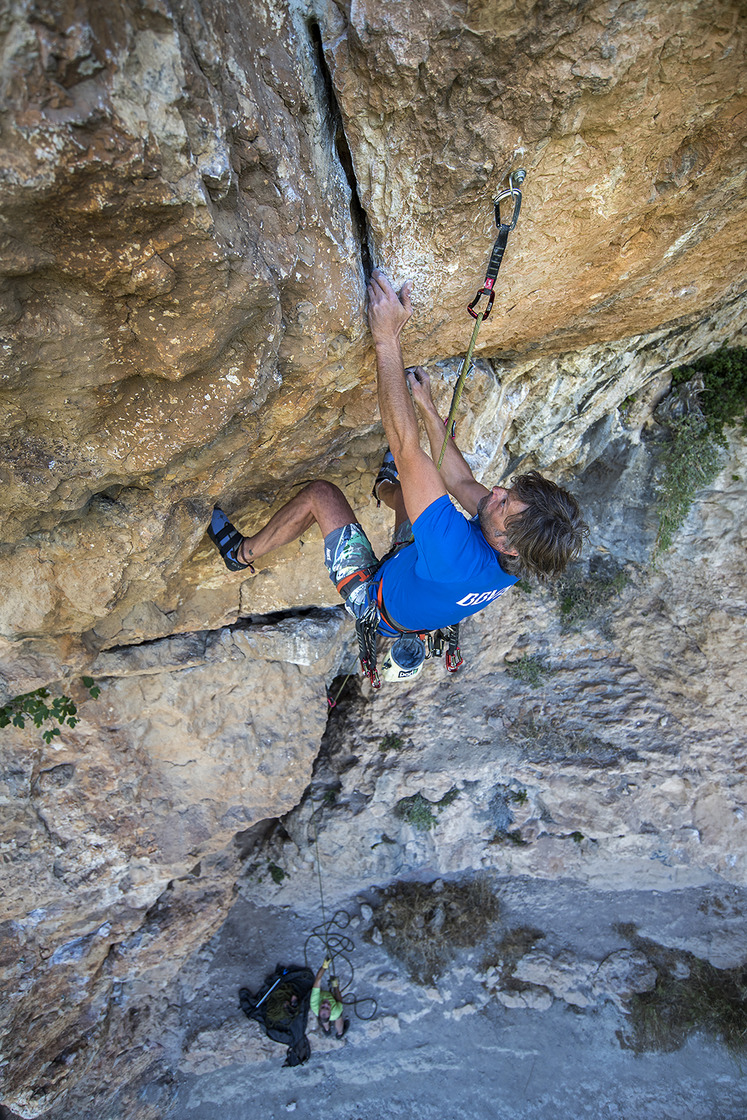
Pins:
<point x="515" y="179"/>
<point x="336" y="944"/>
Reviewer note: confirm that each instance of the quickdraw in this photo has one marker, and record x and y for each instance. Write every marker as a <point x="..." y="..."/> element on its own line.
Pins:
<point x="366" y="630"/>
<point x="447" y="636"/>
<point x="515" y="180"/>
<point x="442" y="643"/>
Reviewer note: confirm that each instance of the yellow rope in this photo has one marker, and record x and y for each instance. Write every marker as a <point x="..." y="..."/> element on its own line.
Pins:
<point x="459" y="386"/>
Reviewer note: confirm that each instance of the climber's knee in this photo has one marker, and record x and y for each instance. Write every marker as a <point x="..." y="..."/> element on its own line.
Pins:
<point x="329" y="505"/>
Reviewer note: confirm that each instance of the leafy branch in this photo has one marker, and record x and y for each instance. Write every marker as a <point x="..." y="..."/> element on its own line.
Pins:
<point x="34" y="706"/>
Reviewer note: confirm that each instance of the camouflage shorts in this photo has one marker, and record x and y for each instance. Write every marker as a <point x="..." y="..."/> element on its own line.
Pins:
<point x="348" y="550"/>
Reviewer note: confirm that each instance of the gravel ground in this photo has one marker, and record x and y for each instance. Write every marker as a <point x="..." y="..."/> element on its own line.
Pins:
<point x="445" y="1051"/>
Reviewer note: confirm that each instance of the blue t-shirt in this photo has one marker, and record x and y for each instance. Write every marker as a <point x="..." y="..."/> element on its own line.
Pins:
<point x="448" y="573"/>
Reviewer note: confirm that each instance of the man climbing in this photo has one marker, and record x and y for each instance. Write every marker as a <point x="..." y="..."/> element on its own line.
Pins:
<point x="327" y="1005"/>
<point x="442" y="567"/>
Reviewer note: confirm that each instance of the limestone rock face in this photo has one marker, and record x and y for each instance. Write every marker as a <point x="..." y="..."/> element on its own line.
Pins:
<point x="109" y="830"/>
<point x="191" y="197"/>
<point x="583" y="983"/>
<point x="618" y="115"/>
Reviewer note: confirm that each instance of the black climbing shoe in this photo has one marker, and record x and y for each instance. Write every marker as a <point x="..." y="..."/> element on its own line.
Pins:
<point x="387" y="473"/>
<point x="227" y="539"/>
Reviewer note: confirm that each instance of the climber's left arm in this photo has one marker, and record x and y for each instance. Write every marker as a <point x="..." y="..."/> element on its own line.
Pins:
<point x="455" y="471"/>
<point x="387" y="315"/>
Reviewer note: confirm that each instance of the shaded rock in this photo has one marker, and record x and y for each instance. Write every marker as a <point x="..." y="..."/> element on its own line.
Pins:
<point x="625" y="974"/>
<point x="233" y="1041"/>
<point x="532" y="998"/>
<point x="564" y="975"/>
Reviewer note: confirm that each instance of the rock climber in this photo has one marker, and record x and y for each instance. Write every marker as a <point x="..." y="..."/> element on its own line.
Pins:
<point x="442" y="566"/>
<point x="327" y="1004"/>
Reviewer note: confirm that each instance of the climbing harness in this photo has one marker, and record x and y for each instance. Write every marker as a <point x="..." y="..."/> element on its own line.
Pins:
<point x="443" y="642"/>
<point x="440" y="643"/>
<point x="434" y="643"/>
<point x="515" y="180"/>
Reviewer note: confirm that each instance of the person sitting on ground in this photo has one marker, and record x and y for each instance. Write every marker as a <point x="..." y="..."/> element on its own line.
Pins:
<point x="442" y="566"/>
<point x="327" y="1004"/>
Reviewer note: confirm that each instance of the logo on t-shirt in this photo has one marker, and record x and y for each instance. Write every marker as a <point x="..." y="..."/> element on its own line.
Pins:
<point x="476" y="598"/>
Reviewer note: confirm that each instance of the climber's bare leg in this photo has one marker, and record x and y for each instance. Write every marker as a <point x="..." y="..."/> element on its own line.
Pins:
<point x="320" y="501"/>
<point x="390" y="493"/>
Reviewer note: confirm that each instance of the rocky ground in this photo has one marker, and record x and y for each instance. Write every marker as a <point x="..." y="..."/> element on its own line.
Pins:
<point x="590" y="767"/>
<point x="601" y="802"/>
<point x="454" y="1048"/>
<point x="462" y="1045"/>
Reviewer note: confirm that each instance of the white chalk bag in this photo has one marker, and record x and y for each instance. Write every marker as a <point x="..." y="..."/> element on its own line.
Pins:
<point x="405" y="659"/>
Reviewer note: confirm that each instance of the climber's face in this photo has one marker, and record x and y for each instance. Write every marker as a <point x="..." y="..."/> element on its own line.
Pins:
<point x="493" y="511"/>
<point x="324" y="1010"/>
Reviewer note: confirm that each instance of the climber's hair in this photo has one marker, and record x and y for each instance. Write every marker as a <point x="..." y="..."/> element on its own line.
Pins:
<point x="549" y="534"/>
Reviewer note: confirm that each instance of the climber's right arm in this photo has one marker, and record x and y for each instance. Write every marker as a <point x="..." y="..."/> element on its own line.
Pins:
<point x="320" y="973"/>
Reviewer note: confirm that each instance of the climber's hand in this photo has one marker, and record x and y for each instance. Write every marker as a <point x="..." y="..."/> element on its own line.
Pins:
<point x="387" y="311"/>
<point x="420" y="387"/>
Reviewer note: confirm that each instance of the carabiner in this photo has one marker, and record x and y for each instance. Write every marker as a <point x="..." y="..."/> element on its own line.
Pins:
<point x="513" y="191"/>
<point x="483" y="292"/>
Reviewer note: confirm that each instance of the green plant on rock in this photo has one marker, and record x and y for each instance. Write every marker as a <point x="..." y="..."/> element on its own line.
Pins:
<point x="511" y="837"/>
<point x="390" y="742"/>
<point x="447" y="799"/>
<point x="33" y="706"/>
<point x="555" y="740"/>
<point x="692" y="457"/>
<point x="425" y="925"/>
<point x="531" y="669"/>
<point x="276" y="873"/>
<point x="88" y="682"/>
<point x="582" y="597"/>
<point x="724" y="395"/>
<point x="692" y="460"/>
<point x="625" y="407"/>
<point x="690" y="995"/>
<point x="418" y="810"/>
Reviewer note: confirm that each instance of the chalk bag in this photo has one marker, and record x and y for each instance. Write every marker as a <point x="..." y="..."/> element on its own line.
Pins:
<point x="405" y="659"/>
